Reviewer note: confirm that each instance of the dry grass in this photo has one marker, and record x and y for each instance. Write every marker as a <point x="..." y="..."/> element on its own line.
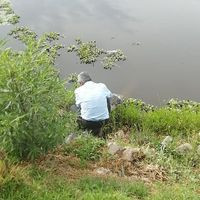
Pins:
<point x="71" y="167"/>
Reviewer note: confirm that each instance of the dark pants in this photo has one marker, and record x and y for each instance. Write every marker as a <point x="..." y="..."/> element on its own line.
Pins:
<point x="94" y="126"/>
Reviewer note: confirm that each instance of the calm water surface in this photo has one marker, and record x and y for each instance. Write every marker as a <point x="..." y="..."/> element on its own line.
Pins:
<point x="165" y="64"/>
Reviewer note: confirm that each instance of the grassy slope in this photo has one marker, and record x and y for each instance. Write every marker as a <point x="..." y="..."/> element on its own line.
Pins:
<point x="88" y="188"/>
<point x="68" y="174"/>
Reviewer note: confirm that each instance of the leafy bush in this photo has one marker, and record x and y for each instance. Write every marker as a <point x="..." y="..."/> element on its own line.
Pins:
<point x="125" y="115"/>
<point x="86" y="147"/>
<point x="31" y="96"/>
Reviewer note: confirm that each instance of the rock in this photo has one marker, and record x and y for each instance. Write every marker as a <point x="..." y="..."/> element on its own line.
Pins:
<point x="166" y="141"/>
<point x="149" y="152"/>
<point x="184" y="148"/>
<point x="102" y="171"/>
<point x="129" y="154"/>
<point x="120" y="134"/>
<point x="70" y="138"/>
<point x="115" y="100"/>
<point x="151" y="168"/>
<point x="147" y="180"/>
<point x="75" y="109"/>
<point x="114" y="148"/>
<point x="198" y="150"/>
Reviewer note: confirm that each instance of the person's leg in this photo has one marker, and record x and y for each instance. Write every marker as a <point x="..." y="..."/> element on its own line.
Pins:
<point x="96" y="131"/>
<point x="96" y="127"/>
<point x="82" y="124"/>
<point x="87" y="125"/>
<point x="102" y="133"/>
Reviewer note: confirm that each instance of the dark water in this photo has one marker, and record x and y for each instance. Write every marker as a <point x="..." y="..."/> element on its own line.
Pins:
<point x="165" y="64"/>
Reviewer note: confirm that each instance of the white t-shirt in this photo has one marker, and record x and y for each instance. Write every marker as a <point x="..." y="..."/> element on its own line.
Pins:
<point x="92" y="98"/>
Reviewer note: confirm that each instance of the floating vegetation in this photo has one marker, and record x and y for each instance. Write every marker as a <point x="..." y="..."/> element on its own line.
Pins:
<point x="184" y="104"/>
<point x="23" y="34"/>
<point x="7" y="15"/>
<point x="140" y="104"/>
<point x="112" y="57"/>
<point x="46" y="43"/>
<point x="73" y="78"/>
<point x="89" y="53"/>
<point x="173" y="104"/>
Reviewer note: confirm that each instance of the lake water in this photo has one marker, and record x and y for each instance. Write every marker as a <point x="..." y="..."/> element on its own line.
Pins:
<point x="161" y="40"/>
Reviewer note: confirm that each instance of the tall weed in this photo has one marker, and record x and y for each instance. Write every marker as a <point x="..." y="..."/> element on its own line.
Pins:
<point x="31" y="95"/>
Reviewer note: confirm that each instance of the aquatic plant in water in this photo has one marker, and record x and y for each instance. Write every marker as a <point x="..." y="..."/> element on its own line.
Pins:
<point x="183" y="104"/>
<point x="89" y="53"/>
<point x="7" y="15"/>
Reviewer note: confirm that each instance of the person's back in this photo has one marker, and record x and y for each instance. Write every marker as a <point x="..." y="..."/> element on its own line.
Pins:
<point x="92" y="99"/>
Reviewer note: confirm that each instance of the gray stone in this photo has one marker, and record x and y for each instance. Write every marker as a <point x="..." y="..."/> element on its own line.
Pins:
<point x="114" y="148"/>
<point x="75" y="109"/>
<point x="120" y="134"/>
<point x="102" y="171"/>
<point x="166" y="141"/>
<point x="147" y="180"/>
<point x="184" y="148"/>
<point x="115" y="100"/>
<point x="198" y="150"/>
<point x="149" y="152"/>
<point x="151" y="168"/>
<point x="130" y="154"/>
<point x="70" y="138"/>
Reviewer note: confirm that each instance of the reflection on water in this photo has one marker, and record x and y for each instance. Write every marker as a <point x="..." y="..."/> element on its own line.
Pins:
<point x="160" y="39"/>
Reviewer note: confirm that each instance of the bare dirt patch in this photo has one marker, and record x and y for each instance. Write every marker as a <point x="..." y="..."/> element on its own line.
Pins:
<point x="72" y="167"/>
<point x="62" y="165"/>
<point x="134" y="170"/>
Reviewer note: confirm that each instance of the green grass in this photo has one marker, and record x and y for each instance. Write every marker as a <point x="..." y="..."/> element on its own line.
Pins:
<point x="87" y="188"/>
<point x="164" y="120"/>
<point x="125" y="115"/>
<point x="173" y="122"/>
<point x="175" y="192"/>
<point x="111" y="186"/>
<point x="93" y="188"/>
<point x="85" y="147"/>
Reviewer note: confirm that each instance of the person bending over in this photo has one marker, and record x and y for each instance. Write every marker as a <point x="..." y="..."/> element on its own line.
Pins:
<point x="93" y="100"/>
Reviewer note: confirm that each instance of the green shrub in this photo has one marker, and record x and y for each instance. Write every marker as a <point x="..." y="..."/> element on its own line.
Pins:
<point x="86" y="147"/>
<point x="126" y="115"/>
<point x="31" y="96"/>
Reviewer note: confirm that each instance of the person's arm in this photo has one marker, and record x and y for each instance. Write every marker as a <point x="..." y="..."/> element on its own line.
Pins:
<point x="108" y="104"/>
<point x="77" y="99"/>
<point x="108" y="94"/>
